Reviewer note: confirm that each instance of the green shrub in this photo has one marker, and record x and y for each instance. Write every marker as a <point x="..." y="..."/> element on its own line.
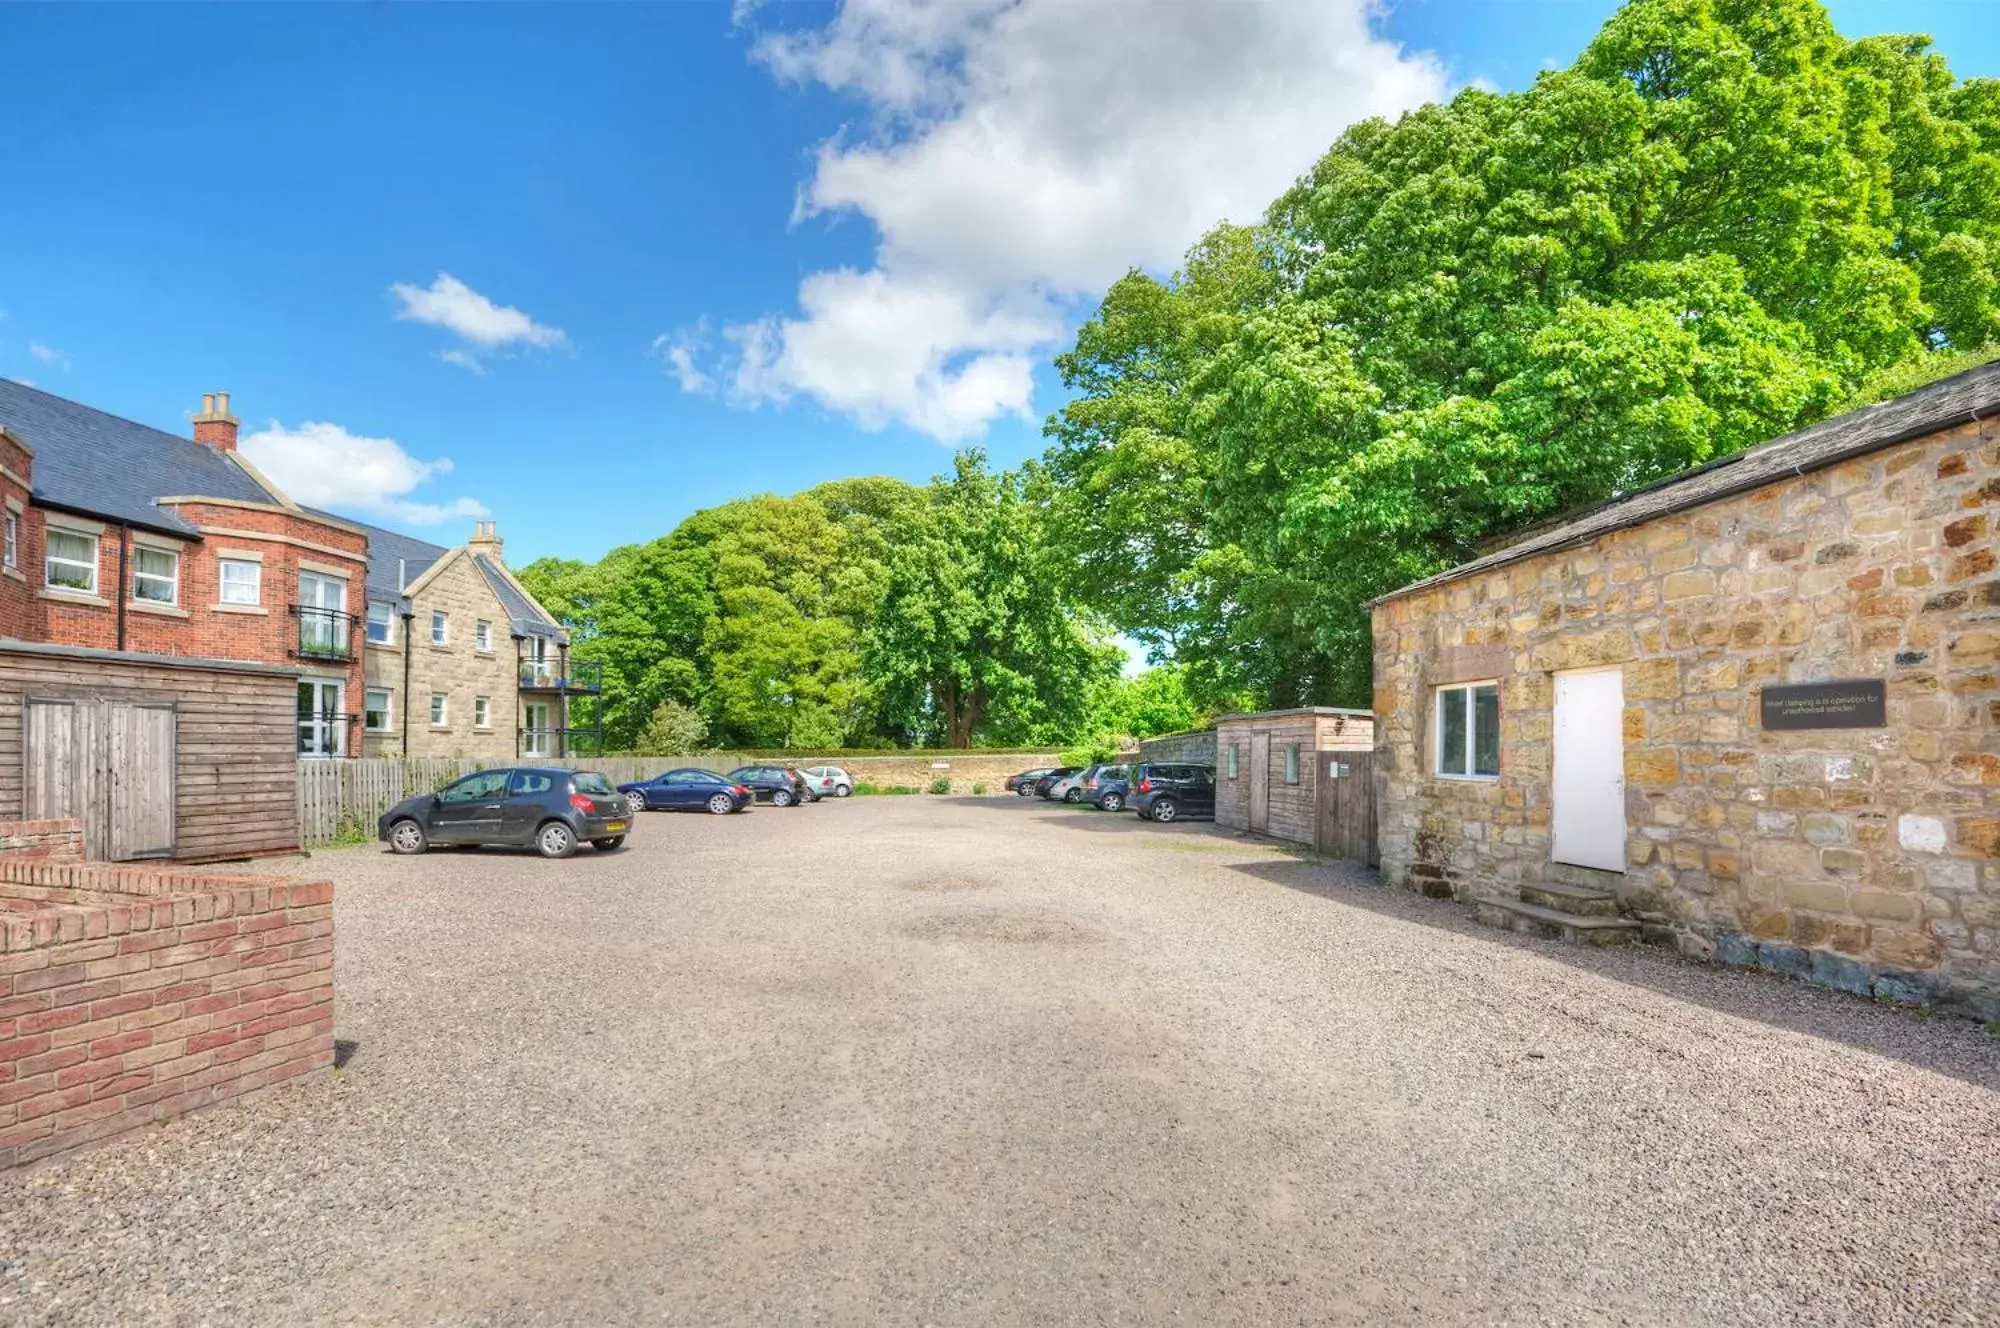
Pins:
<point x="864" y="789"/>
<point x="941" y="785"/>
<point x="979" y="788"/>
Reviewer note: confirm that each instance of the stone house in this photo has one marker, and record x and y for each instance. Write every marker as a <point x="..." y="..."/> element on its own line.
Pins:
<point x="461" y="659"/>
<point x="115" y="536"/>
<point x="1753" y="708"/>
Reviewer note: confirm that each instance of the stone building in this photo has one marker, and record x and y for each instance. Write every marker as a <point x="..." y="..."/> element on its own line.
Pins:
<point x="1754" y="708"/>
<point x="461" y="659"/>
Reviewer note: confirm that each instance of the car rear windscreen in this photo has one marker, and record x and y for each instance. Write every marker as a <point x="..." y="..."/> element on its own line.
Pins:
<point x="589" y="781"/>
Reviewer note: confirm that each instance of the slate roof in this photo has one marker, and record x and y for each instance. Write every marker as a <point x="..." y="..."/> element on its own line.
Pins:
<point x="89" y="461"/>
<point x="1961" y="399"/>
<point x="392" y="554"/>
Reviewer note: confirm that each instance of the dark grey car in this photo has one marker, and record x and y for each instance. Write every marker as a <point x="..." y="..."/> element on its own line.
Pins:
<point x="551" y="811"/>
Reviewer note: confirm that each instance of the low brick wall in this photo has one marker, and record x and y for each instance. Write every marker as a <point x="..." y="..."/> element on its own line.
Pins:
<point x="129" y="995"/>
<point x="42" y="839"/>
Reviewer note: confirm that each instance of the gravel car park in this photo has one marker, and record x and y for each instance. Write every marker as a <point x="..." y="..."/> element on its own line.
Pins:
<point x="970" y="1060"/>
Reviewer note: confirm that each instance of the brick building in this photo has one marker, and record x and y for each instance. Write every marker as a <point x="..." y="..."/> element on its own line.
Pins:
<point x="461" y="659"/>
<point x="118" y="536"/>
<point x="1754" y="708"/>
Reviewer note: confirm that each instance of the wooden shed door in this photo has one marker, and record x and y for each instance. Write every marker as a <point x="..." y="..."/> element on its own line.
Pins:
<point x="1260" y="781"/>
<point x="142" y="781"/>
<point x="1346" y="811"/>
<point x="110" y="765"/>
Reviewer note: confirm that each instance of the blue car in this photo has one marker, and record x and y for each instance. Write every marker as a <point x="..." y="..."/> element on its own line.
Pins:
<point x="688" y="790"/>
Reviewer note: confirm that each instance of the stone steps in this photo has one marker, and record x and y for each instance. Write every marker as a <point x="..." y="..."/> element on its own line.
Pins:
<point x="1540" y="920"/>
<point x="1582" y="900"/>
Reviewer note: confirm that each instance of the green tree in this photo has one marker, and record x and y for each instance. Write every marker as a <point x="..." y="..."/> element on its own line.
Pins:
<point x="673" y="730"/>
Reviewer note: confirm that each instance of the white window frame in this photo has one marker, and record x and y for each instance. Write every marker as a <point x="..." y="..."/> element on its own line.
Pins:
<point x="12" y="553"/>
<point x="535" y="737"/>
<point x="388" y="624"/>
<point x="482" y="712"/>
<point x="222" y="582"/>
<point x="1464" y="693"/>
<point x="440" y="710"/>
<point x="1232" y="760"/>
<point x="50" y="559"/>
<point x="333" y="726"/>
<point x="440" y="627"/>
<point x="172" y="579"/>
<point x="387" y="709"/>
<point x="482" y="636"/>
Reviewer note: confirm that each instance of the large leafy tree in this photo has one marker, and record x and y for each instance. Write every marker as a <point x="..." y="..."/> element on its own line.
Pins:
<point x="1721" y="223"/>
<point x="977" y="638"/>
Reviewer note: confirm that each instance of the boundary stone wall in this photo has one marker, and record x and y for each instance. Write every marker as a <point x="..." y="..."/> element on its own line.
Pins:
<point x="129" y="995"/>
<point x="1195" y="747"/>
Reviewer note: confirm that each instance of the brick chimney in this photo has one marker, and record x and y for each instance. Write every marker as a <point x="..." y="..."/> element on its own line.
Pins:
<point x="215" y="425"/>
<point x="486" y="539"/>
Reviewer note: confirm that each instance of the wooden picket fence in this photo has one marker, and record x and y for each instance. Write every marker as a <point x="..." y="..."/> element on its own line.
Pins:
<point x="342" y="798"/>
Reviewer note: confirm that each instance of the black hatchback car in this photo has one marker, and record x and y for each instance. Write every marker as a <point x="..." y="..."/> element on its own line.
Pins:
<point x="689" y="790"/>
<point x="551" y="811"/>
<point x="773" y="784"/>
<point x="1173" y="792"/>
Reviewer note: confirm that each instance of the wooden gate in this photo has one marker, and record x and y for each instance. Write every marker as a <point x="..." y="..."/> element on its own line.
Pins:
<point x="1346" y="811"/>
<point x="1260" y="782"/>
<point x="110" y="764"/>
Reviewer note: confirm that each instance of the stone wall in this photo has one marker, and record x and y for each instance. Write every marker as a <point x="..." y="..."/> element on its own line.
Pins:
<point x="1193" y="748"/>
<point x="129" y="995"/>
<point x="1867" y="859"/>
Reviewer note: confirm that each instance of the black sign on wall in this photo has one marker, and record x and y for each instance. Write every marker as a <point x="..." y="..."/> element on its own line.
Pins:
<point x="1845" y="703"/>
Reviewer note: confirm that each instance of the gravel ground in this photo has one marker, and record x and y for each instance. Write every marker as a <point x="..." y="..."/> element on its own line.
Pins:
<point x="980" y="1060"/>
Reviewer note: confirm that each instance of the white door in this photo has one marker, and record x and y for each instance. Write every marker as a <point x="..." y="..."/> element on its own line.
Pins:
<point x="322" y="727"/>
<point x="535" y="737"/>
<point x="1588" y="788"/>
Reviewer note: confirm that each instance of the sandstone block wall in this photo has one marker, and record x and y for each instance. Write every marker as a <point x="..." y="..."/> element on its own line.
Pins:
<point x="1867" y="859"/>
<point x="1197" y="748"/>
<point x="128" y="996"/>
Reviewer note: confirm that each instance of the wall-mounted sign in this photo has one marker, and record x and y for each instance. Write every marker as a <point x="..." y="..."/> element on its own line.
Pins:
<point x="940" y="765"/>
<point x="1845" y="703"/>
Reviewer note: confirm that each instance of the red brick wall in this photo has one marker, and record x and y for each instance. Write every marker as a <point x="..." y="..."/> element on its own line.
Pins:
<point x="42" y="839"/>
<point x="19" y="609"/>
<point x="130" y="995"/>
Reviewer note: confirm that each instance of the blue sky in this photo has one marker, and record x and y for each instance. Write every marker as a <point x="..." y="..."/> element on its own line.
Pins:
<point x="616" y="263"/>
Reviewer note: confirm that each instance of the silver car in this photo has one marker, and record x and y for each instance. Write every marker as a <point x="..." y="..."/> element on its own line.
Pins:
<point x="828" y="781"/>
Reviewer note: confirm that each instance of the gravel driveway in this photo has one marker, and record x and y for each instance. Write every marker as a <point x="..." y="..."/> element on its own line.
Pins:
<point x="981" y="1060"/>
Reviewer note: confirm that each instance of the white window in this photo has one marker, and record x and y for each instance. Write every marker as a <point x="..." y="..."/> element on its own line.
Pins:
<point x="381" y="623"/>
<point x="375" y="715"/>
<point x="323" y="621"/>
<point x="438" y="712"/>
<point x="440" y="628"/>
<point x="1291" y="763"/>
<point x="72" y="561"/>
<point x="535" y="732"/>
<point x="322" y="728"/>
<point x="482" y="635"/>
<point x="156" y="576"/>
<point x="1468" y="731"/>
<point x="482" y="712"/>
<point x="13" y="551"/>
<point x="242" y="581"/>
<point x="1232" y="760"/>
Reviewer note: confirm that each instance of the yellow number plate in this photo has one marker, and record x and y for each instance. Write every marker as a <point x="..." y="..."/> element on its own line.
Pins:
<point x="614" y="825"/>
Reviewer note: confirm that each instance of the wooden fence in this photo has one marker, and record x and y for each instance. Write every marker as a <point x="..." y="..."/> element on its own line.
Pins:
<point x="343" y="798"/>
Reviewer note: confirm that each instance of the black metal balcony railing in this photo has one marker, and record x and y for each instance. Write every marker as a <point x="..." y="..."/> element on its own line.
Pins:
<point x="324" y="633"/>
<point x="561" y="742"/>
<point x="547" y="675"/>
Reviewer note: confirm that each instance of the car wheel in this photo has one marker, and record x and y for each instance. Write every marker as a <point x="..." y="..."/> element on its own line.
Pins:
<point x="1074" y="795"/>
<point x="722" y="804"/>
<point x="407" y="837"/>
<point x="611" y="845"/>
<point x="635" y="803"/>
<point x="842" y="791"/>
<point x="782" y="798"/>
<point x="1111" y="802"/>
<point x="1164" y="810"/>
<point x="555" y="840"/>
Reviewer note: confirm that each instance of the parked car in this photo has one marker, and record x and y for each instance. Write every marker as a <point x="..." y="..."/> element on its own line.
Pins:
<point x="1024" y="783"/>
<point x="1049" y="779"/>
<point x="1109" y="789"/>
<point x="1070" y="787"/>
<point x="551" y="810"/>
<point x="773" y="784"/>
<point x="1173" y="792"/>
<point x="686" y="790"/>
<point x="828" y="781"/>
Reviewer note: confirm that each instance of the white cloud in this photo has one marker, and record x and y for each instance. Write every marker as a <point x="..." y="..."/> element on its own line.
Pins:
<point x="484" y="326"/>
<point x="677" y="350"/>
<point x="323" y="465"/>
<point x="50" y="355"/>
<point x="1017" y="157"/>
